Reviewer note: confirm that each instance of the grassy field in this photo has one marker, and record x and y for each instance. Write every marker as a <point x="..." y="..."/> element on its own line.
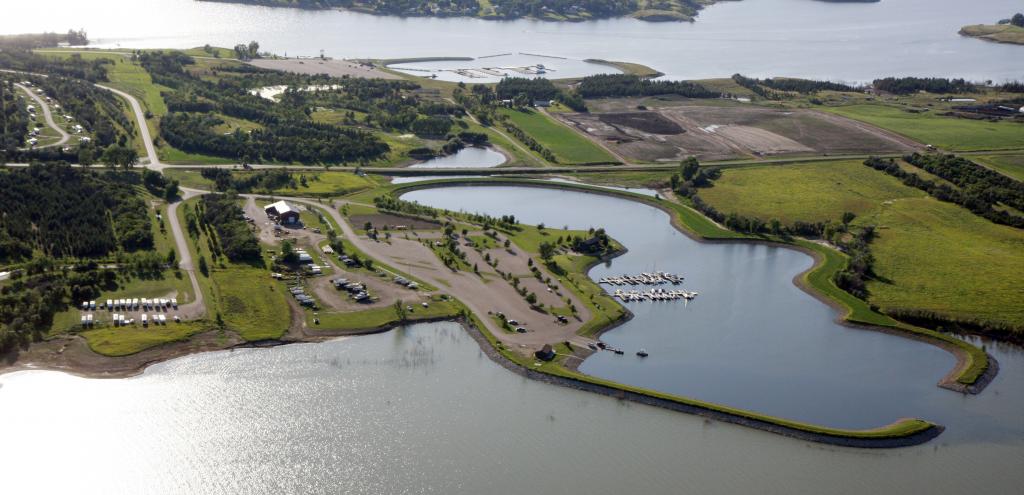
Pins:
<point x="1000" y="33"/>
<point x="808" y="192"/>
<point x="948" y="133"/>
<point x="973" y="266"/>
<point x="1010" y="165"/>
<point x="251" y="303"/>
<point x="568" y="146"/>
<point x="122" y="341"/>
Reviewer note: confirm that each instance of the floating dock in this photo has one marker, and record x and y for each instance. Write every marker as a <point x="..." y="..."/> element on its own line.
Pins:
<point x="654" y="295"/>
<point x="655" y="278"/>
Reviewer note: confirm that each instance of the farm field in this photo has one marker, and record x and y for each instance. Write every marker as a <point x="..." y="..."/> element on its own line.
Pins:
<point x="663" y="129"/>
<point x="948" y="133"/>
<point x="806" y="192"/>
<point x="567" y="146"/>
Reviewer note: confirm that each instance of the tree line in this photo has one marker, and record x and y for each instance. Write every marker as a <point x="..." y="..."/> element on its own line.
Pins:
<point x="908" y="85"/>
<point x="31" y="41"/>
<point x="979" y="194"/>
<point x="617" y="85"/>
<point x="14" y="119"/>
<point x="264" y="180"/>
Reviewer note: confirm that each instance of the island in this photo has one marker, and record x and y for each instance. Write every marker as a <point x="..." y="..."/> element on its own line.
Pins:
<point x="1005" y="31"/>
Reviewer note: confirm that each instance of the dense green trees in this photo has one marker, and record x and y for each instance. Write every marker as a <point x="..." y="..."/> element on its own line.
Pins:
<point x="907" y="85"/>
<point x="768" y="88"/>
<point x="614" y="85"/>
<point x="60" y="211"/>
<point x="13" y="119"/>
<point x="263" y="180"/>
<point x="534" y="89"/>
<point x="236" y="240"/>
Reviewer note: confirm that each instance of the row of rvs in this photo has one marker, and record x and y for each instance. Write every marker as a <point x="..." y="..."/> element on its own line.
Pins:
<point x="132" y="304"/>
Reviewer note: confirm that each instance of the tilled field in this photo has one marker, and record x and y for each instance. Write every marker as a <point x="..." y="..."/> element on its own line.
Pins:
<point x="674" y="130"/>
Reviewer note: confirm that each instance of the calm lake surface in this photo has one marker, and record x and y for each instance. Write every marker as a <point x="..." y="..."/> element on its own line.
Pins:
<point x="800" y="38"/>
<point x="470" y="157"/>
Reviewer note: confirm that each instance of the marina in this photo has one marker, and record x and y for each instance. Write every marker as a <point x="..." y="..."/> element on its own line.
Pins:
<point x="645" y="278"/>
<point x="654" y="295"/>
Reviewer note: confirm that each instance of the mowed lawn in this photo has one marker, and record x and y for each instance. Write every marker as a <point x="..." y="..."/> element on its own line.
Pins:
<point x="940" y="257"/>
<point x="1010" y="165"/>
<point x="945" y="132"/>
<point x="123" y="341"/>
<point x="566" y="144"/>
<point x="252" y="304"/>
<point x="807" y="192"/>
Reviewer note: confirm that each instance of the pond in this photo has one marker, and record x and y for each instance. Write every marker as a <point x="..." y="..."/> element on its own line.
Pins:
<point x="470" y="157"/>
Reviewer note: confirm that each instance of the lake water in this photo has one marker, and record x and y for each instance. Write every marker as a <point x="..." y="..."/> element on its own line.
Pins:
<point x="422" y="410"/>
<point x="801" y="38"/>
<point x="470" y="157"/>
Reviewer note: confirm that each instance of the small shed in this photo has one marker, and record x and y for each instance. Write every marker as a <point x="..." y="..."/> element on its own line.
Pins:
<point x="546" y="353"/>
<point x="283" y="212"/>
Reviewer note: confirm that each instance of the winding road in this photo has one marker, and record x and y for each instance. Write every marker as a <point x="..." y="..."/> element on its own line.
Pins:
<point x="48" y="116"/>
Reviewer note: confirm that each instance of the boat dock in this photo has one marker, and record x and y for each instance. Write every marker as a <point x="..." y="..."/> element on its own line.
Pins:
<point x="654" y="295"/>
<point x="655" y="278"/>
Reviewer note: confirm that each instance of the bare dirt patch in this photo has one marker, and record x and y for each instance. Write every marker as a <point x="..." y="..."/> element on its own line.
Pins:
<point x="651" y="122"/>
<point x="720" y="130"/>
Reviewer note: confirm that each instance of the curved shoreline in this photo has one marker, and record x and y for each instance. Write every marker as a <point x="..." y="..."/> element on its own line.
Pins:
<point x="950" y="381"/>
<point x="903" y="432"/>
<point x="864" y="442"/>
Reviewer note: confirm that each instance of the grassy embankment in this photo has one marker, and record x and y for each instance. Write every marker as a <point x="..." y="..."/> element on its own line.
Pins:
<point x="1000" y="33"/>
<point x="125" y="341"/>
<point x="948" y="133"/>
<point x="568" y="146"/>
<point x="383" y="317"/>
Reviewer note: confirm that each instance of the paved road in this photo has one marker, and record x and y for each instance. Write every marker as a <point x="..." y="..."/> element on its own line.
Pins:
<point x="140" y="118"/>
<point x="48" y="116"/>
<point x="181" y="245"/>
